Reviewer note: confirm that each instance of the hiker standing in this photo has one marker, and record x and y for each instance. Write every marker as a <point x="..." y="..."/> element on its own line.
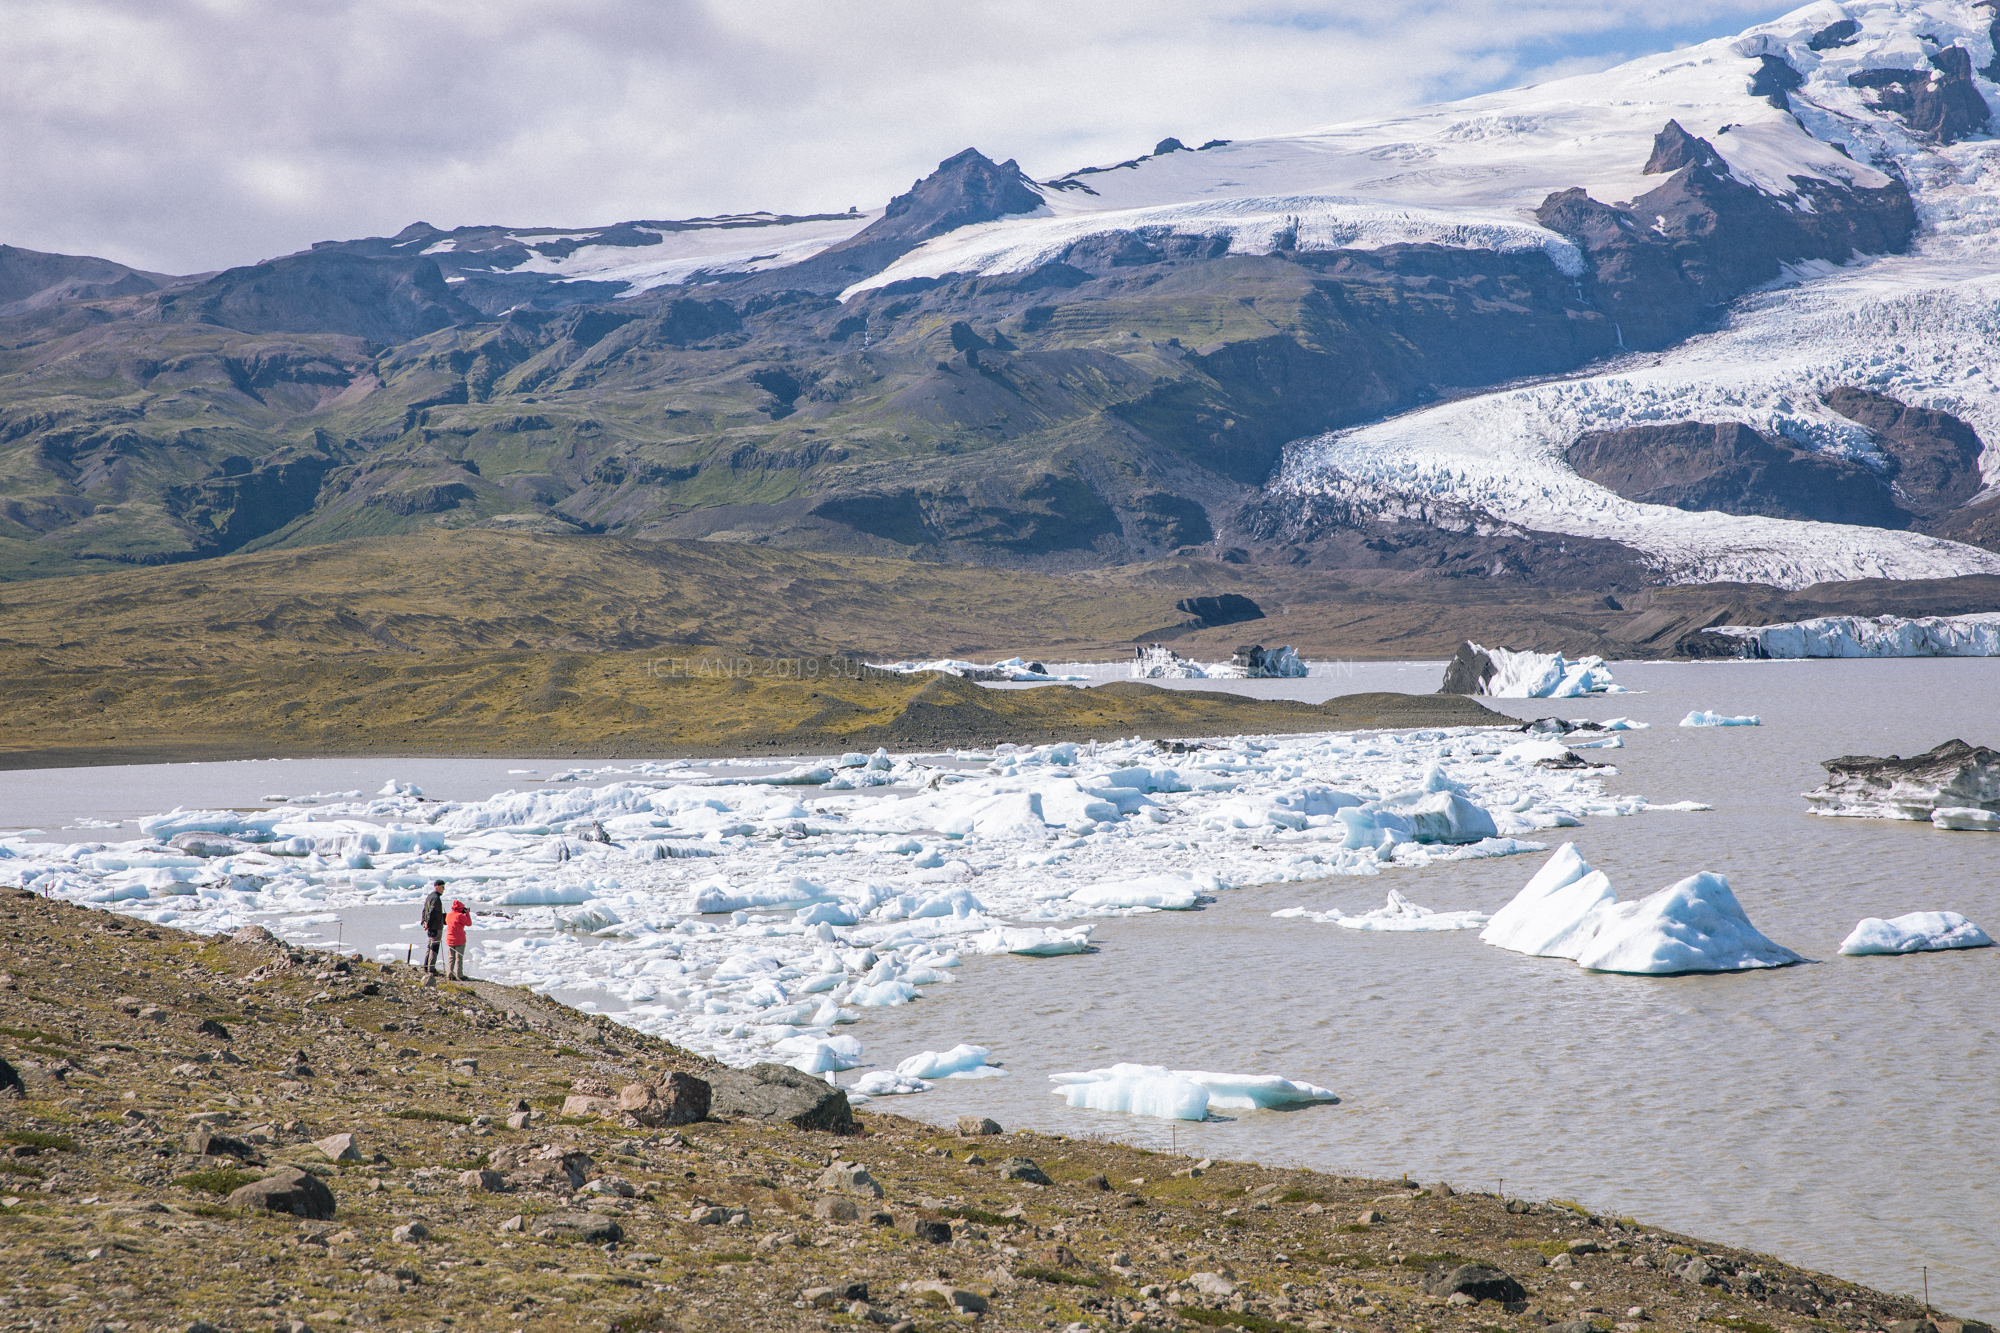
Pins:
<point x="454" y="940"/>
<point x="432" y="918"/>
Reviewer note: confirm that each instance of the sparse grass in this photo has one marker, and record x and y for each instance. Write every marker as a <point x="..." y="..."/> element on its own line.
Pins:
<point x="1060" y="1277"/>
<point x="1738" y="1324"/>
<point x="220" y="1181"/>
<point x="33" y="1138"/>
<point x="1420" y="1262"/>
<point x="439" y="1117"/>
<point x="1256" y="1323"/>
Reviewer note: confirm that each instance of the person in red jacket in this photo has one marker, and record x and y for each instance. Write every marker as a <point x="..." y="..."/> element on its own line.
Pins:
<point x="454" y="940"/>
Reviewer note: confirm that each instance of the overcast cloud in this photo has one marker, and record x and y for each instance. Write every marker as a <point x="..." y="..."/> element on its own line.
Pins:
<point x="183" y="135"/>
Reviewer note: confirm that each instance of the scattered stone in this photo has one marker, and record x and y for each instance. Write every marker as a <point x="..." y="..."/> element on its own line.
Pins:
<point x="1520" y="1206"/>
<point x="1475" y="1282"/>
<point x="588" y="1228"/>
<point x="1700" y="1272"/>
<point x="849" y="1178"/>
<point x="836" y="1210"/>
<point x="1096" y="1182"/>
<point x="1022" y="1168"/>
<point x="976" y="1126"/>
<point x="203" y="1141"/>
<point x="339" y="1148"/>
<point x="287" y="1190"/>
<point x="254" y="935"/>
<point x="1564" y="1260"/>
<point x="520" y="1120"/>
<point x="957" y="1298"/>
<point x="928" y="1230"/>
<point x="483" y="1181"/>
<point x="710" y="1215"/>
<point x="1444" y="1191"/>
<point x="1212" y="1284"/>
<point x="1582" y="1246"/>
<point x="1369" y="1218"/>
<point x="411" y="1233"/>
<point x="779" y="1092"/>
<point x="210" y="1028"/>
<point x="782" y="1240"/>
<point x="514" y="1223"/>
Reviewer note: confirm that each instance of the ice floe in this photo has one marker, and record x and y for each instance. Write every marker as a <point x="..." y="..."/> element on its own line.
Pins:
<point x="1014" y="668"/>
<point x="1398" y="914"/>
<point x="1699" y="718"/>
<point x="1976" y="635"/>
<point x="961" y="1061"/>
<point x="1181" y="1094"/>
<point x="1568" y="910"/>
<point x="742" y="911"/>
<point x="1914" y="932"/>
<point x="1156" y="661"/>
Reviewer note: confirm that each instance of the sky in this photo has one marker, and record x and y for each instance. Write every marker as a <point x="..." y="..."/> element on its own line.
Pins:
<point x="186" y="135"/>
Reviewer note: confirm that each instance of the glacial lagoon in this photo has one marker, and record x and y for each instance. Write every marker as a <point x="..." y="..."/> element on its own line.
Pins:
<point x="1838" y="1112"/>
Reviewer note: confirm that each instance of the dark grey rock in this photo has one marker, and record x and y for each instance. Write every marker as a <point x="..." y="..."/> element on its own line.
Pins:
<point x="1700" y="1272"/>
<point x="210" y="1028"/>
<point x="928" y="1230"/>
<point x="1022" y="1168"/>
<point x="203" y="1141"/>
<point x="1467" y="672"/>
<point x="778" y="1092"/>
<point x="1229" y="608"/>
<point x="1482" y="1282"/>
<point x="287" y="1190"/>
<point x="10" y="1081"/>
<point x="589" y="1228"/>
<point x="974" y="1126"/>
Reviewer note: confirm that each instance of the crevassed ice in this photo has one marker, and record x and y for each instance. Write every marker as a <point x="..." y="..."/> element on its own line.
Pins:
<point x="735" y="916"/>
<point x="1975" y="635"/>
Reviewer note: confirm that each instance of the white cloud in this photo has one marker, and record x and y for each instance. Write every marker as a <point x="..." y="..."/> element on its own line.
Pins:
<point x="192" y="134"/>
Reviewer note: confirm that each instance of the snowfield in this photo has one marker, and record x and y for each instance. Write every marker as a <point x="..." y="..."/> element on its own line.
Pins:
<point x="750" y="914"/>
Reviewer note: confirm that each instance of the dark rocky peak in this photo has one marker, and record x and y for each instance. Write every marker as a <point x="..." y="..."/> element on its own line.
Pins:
<point x="1774" y="82"/>
<point x="1834" y="35"/>
<point x="1169" y="145"/>
<point x="1674" y="148"/>
<point x="1935" y="455"/>
<point x="324" y="291"/>
<point x="965" y="189"/>
<point x="1941" y="104"/>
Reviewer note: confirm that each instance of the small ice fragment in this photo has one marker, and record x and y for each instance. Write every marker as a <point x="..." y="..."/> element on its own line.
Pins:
<point x="885" y="1083"/>
<point x="1915" y="932"/>
<point x="961" y="1061"/>
<point x="1698" y="718"/>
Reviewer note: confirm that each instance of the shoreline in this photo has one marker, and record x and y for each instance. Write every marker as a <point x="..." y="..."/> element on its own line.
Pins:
<point x="708" y="1225"/>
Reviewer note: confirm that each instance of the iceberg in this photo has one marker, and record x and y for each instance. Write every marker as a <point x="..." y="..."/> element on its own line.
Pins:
<point x="1398" y="914"/>
<point x="1156" y="661"/>
<point x="961" y="1061"/>
<point x="1568" y="910"/>
<point x="1181" y="1094"/>
<point x="1697" y="718"/>
<point x="1014" y="668"/>
<point x="885" y="1083"/>
<point x="1976" y="635"/>
<point x="1915" y="932"/>
<point x="1959" y="781"/>
<point x="1506" y="674"/>
<point x="1031" y="941"/>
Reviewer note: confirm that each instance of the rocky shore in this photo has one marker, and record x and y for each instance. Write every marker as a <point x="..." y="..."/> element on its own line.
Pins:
<point x="208" y="1134"/>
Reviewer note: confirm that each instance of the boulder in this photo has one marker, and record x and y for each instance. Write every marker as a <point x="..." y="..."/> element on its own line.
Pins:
<point x="836" y="1210"/>
<point x="589" y="1228"/>
<point x="10" y="1081"/>
<point x="1700" y="1272"/>
<point x="686" y="1098"/>
<point x="974" y="1126"/>
<point x="582" y="1103"/>
<point x="1022" y="1168"/>
<point x="411" y="1233"/>
<point x="1212" y="1284"/>
<point x="956" y="1298"/>
<point x="482" y="1182"/>
<point x="781" y="1093"/>
<point x="203" y="1141"/>
<point x="339" y="1148"/>
<point x="849" y="1178"/>
<point x="1479" y="1282"/>
<point x="929" y="1230"/>
<point x="208" y="1027"/>
<point x="520" y="1119"/>
<point x="254" y="935"/>
<point x="287" y="1190"/>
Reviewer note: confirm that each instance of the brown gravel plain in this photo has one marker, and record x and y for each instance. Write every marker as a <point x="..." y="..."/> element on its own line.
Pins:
<point x="149" y="1073"/>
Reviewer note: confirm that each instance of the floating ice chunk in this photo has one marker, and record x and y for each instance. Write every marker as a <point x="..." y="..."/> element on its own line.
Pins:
<point x="819" y="1055"/>
<point x="587" y="918"/>
<point x="1568" y="910"/>
<point x="1953" y="777"/>
<point x="1556" y="912"/>
<point x="718" y="896"/>
<point x="1698" y="718"/>
<point x="395" y="788"/>
<point x="1965" y="819"/>
<point x="805" y="775"/>
<point x="1399" y="914"/>
<point x="1916" y="932"/>
<point x="1180" y="1094"/>
<point x="1168" y="893"/>
<point x="1031" y="942"/>
<point x="1530" y="675"/>
<point x="961" y="1061"/>
<point x="1150" y="1090"/>
<point x="886" y="1083"/>
<point x="832" y="913"/>
<point x="544" y="895"/>
<point x="1625" y="724"/>
<point x="1441" y="816"/>
<point x="883" y="995"/>
<point x="1693" y="926"/>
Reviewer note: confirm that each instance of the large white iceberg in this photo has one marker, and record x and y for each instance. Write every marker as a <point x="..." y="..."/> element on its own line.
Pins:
<point x="1570" y="911"/>
<point x="1976" y="635"/>
<point x="1156" y="661"/>
<point x="1181" y="1094"/>
<point x="1529" y="675"/>
<point x="1914" y="932"/>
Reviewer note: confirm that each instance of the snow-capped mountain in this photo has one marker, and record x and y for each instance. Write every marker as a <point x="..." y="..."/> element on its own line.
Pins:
<point x="1719" y="315"/>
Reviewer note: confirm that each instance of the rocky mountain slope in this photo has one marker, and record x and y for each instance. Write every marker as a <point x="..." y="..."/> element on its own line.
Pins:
<point x="1182" y="353"/>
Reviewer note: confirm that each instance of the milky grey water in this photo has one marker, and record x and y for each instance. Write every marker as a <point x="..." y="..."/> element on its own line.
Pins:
<point x="1840" y="1114"/>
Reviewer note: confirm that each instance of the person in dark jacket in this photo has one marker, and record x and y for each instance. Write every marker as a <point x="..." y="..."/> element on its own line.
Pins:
<point x="454" y="940"/>
<point x="431" y="916"/>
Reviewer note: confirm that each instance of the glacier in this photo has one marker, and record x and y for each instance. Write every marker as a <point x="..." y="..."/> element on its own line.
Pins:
<point x="1914" y="932"/>
<point x="1974" y="635"/>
